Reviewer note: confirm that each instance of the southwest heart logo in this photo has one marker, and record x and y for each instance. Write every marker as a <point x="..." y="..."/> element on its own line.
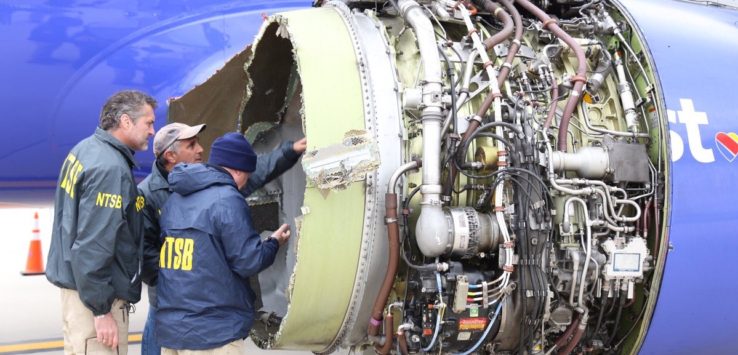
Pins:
<point x="727" y="144"/>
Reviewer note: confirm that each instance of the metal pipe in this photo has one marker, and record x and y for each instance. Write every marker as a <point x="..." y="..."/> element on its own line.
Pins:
<point x="552" y="175"/>
<point x="588" y="124"/>
<point x="554" y="104"/>
<point x="587" y="162"/>
<point x="431" y="89"/>
<point x="626" y="96"/>
<point x="494" y="96"/>
<point x="575" y="269"/>
<point x="635" y="57"/>
<point x="482" y="48"/>
<point x="597" y="272"/>
<point x="601" y="72"/>
<point x="399" y="172"/>
<point x="430" y="240"/>
<point x="588" y="190"/>
<point x="468" y="68"/>
<point x="588" y="224"/>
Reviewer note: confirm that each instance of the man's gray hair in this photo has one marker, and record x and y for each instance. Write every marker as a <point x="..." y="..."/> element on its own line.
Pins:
<point x="172" y="148"/>
<point x="130" y="102"/>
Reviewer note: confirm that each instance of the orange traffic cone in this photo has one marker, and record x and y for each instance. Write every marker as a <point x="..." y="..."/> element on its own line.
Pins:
<point x="35" y="262"/>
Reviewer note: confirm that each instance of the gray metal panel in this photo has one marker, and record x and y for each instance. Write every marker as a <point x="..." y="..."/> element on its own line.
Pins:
<point x="383" y="120"/>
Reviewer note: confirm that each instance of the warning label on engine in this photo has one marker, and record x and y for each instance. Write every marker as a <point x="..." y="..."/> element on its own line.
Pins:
<point x="472" y="323"/>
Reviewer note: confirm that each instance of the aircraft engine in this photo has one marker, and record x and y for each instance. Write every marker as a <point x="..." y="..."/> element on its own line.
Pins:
<point x="482" y="177"/>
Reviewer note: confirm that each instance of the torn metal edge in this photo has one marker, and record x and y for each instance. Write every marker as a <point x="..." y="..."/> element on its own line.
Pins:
<point x="282" y="31"/>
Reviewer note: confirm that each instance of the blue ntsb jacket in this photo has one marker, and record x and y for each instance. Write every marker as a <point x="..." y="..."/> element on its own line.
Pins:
<point x="209" y="249"/>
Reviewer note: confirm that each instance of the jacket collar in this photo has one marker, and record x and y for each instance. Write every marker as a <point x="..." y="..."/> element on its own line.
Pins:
<point x="115" y="143"/>
<point x="157" y="180"/>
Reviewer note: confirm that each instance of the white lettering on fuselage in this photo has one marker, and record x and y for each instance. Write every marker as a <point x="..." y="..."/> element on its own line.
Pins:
<point x="692" y="120"/>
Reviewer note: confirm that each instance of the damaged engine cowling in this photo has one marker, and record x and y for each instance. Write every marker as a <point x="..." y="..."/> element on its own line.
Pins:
<point x="481" y="176"/>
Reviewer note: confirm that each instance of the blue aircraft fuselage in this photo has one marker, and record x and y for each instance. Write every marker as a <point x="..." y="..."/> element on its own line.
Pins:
<point x="63" y="59"/>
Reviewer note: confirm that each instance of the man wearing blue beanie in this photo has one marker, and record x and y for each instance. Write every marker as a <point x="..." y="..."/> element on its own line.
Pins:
<point x="209" y="251"/>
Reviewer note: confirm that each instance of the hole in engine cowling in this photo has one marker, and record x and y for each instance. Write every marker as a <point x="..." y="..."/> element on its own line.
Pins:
<point x="272" y="114"/>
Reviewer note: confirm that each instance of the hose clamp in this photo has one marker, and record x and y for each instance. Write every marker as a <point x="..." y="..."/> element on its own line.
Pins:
<point x="549" y="22"/>
<point x="475" y="118"/>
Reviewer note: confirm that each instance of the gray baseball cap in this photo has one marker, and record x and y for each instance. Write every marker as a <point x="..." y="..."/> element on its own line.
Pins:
<point x="173" y="132"/>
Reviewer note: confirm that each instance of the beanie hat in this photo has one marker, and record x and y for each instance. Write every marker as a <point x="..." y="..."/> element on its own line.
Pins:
<point x="233" y="151"/>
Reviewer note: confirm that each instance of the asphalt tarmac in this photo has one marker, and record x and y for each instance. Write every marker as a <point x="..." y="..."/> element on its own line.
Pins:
<point x="30" y="306"/>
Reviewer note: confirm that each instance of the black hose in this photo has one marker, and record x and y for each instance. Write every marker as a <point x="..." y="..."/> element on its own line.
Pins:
<point x="511" y="126"/>
<point x="635" y="323"/>
<point x="617" y="320"/>
<point x="426" y="267"/>
<point x="603" y="302"/>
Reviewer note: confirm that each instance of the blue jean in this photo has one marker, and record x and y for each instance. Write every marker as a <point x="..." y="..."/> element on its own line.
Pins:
<point x="149" y="344"/>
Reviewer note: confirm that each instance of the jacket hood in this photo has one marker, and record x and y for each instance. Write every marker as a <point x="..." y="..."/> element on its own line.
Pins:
<point x="186" y="179"/>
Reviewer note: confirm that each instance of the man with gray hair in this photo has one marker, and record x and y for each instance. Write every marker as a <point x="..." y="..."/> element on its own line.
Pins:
<point x="95" y="254"/>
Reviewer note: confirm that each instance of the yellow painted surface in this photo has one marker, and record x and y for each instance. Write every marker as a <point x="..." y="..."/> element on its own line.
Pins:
<point x="54" y="344"/>
<point x="330" y="239"/>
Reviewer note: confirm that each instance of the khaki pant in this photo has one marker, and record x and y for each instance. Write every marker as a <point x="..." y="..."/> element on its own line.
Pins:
<point x="237" y="347"/>
<point x="78" y="321"/>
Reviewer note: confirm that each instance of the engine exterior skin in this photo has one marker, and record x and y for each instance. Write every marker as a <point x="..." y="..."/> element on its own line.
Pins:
<point x="316" y="313"/>
<point x="700" y="118"/>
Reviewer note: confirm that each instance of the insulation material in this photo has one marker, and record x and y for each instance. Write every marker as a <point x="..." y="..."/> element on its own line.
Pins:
<point x="217" y="102"/>
<point x="269" y="77"/>
<point x="338" y="165"/>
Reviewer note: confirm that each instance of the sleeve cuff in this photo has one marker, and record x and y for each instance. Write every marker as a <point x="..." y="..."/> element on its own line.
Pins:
<point x="98" y="313"/>
<point x="290" y="153"/>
